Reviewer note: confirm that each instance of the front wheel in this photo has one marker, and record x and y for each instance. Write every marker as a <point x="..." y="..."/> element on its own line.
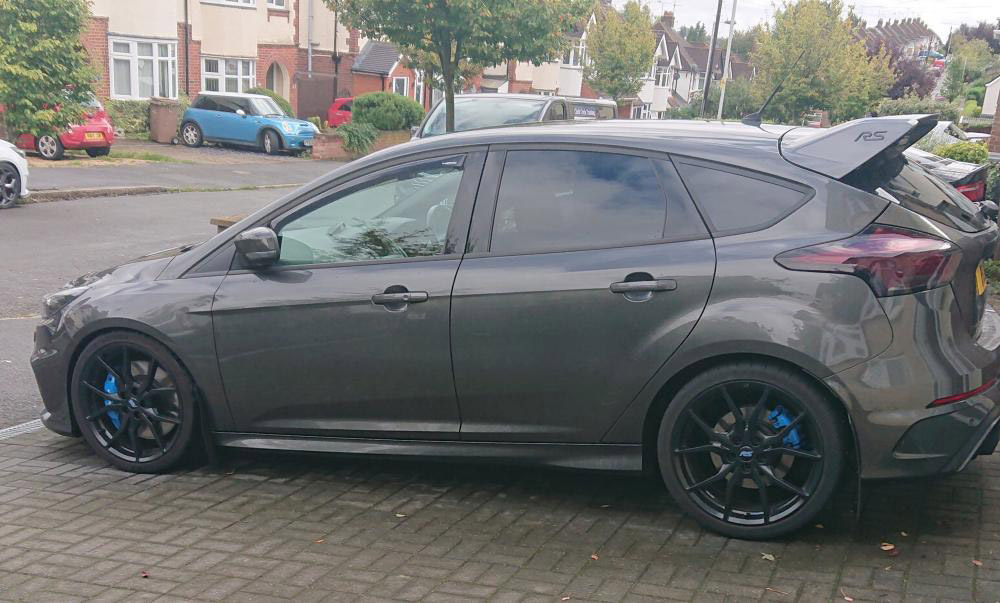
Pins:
<point x="750" y="450"/>
<point x="10" y="185"/>
<point x="270" y="143"/>
<point x="191" y="135"/>
<point x="50" y="147"/>
<point x="134" y="403"/>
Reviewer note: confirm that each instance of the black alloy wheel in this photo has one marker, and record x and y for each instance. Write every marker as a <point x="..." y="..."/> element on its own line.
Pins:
<point x="10" y="185"/>
<point x="133" y="402"/>
<point x="752" y="451"/>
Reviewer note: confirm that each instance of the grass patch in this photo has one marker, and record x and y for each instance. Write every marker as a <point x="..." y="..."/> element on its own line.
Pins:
<point x="140" y="155"/>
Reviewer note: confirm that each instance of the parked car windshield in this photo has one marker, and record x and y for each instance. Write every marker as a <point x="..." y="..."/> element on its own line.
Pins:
<point x="472" y="113"/>
<point x="265" y="106"/>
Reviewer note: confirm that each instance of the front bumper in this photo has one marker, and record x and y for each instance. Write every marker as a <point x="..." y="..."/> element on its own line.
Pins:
<point x="50" y="369"/>
<point x="931" y="356"/>
<point x="298" y="141"/>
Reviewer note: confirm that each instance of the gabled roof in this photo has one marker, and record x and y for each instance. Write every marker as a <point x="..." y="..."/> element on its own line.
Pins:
<point x="897" y="34"/>
<point x="376" y="57"/>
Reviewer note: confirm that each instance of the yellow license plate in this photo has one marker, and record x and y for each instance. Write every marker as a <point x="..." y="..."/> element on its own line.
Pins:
<point x="980" y="280"/>
<point x="93" y="136"/>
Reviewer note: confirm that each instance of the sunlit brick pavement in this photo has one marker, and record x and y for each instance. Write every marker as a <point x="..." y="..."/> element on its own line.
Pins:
<point x="269" y="527"/>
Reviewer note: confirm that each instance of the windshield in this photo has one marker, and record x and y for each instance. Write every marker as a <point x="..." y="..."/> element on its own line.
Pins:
<point x="265" y="106"/>
<point x="472" y="113"/>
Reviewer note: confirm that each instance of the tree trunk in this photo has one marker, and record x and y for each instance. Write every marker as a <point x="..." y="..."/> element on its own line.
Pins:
<point x="448" y="74"/>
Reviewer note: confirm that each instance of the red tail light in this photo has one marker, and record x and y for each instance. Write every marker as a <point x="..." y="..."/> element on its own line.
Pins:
<point x="892" y="260"/>
<point x="975" y="191"/>
<point x="962" y="396"/>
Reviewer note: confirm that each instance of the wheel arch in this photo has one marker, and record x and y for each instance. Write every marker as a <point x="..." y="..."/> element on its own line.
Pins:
<point x="269" y="128"/>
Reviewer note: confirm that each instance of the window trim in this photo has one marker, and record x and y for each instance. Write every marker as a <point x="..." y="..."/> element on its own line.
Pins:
<point x="406" y="85"/>
<point x="134" y="58"/>
<point x="277" y="4"/>
<point x="221" y="74"/>
<point x="480" y="237"/>
<point x="246" y="4"/>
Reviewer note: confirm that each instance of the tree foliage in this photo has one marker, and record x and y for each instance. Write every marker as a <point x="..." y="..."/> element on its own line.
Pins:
<point x="914" y="105"/>
<point x="695" y="33"/>
<point x="981" y="31"/>
<point x="480" y="32"/>
<point x="429" y="64"/>
<point x="968" y="151"/>
<point x="912" y="76"/>
<point x="621" y="48"/>
<point x="954" y="81"/>
<point x="835" y="73"/>
<point x="45" y="75"/>
<point x="974" y="55"/>
<point x="386" y="111"/>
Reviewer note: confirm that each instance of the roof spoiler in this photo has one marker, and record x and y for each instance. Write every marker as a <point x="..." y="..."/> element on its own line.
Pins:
<point x="838" y="151"/>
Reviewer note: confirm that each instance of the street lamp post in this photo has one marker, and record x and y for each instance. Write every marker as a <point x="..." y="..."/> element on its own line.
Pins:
<point x="725" y="68"/>
<point x="711" y="57"/>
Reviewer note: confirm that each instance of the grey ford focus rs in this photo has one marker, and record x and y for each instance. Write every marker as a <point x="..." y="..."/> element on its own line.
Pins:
<point x="747" y="311"/>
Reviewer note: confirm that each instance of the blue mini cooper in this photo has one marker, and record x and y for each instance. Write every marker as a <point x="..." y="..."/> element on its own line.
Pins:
<point x="244" y="119"/>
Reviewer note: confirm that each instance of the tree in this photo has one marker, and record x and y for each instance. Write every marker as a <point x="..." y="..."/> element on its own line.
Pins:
<point x="974" y="55"/>
<point x="954" y="81"/>
<point x="696" y="33"/>
<point x="45" y="75"/>
<point x="739" y="99"/>
<point x="912" y="77"/>
<point x="835" y="73"/>
<point x="621" y="48"/>
<point x="429" y="64"/>
<point x="981" y="31"/>
<point x="481" y="32"/>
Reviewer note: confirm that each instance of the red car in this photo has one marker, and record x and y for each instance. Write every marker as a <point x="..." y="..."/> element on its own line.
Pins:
<point x="95" y="136"/>
<point x="339" y="112"/>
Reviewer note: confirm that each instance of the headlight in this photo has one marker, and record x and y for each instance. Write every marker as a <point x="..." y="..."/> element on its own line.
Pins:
<point x="287" y="127"/>
<point x="54" y="303"/>
<point x="314" y="127"/>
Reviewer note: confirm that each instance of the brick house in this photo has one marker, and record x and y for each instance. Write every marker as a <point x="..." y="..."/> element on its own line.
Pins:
<point x="168" y="48"/>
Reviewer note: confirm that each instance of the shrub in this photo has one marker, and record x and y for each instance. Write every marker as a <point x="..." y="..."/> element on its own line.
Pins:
<point x="129" y="117"/>
<point x="972" y="109"/>
<point x="316" y="121"/>
<point x="284" y="104"/>
<point x="912" y="104"/>
<point x="357" y="137"/>
<point x="971" y="152"/>
<point x="386" y="111"/>
<point x="992" y="268"/>
<point x="993" y="184"/>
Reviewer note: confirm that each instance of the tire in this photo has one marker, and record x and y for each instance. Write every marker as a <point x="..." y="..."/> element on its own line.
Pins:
<point x="99" y="152"/>
<point x="270" y="143"/>
<point x="157" y="425"/>
<point x="10" y="185"/>
<point x="50" y="147"/>
<point x="191" y="134"/>
<point x="773" y="460"/>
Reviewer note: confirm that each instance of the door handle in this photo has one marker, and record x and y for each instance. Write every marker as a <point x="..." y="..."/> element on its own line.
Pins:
<point x="666" y="284"/>
<point x="405" y="297"/>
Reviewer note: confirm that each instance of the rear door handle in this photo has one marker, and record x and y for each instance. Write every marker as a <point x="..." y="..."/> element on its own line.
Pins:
<point x="666" y="284"/>
<point x="406" y="297"/>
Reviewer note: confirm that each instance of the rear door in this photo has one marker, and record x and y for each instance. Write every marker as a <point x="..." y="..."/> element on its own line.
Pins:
<point x="587" y="268"/>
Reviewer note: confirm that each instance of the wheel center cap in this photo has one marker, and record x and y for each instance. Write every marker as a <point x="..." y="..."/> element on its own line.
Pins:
<point x="132" y="403"/>
<point x="745" y="453"/>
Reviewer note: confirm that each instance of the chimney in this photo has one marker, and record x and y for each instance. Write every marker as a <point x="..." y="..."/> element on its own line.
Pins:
<point x="667" y="19"/>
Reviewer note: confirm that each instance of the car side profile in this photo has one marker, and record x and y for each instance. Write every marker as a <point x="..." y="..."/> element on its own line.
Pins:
<point x="339" y="111"/>
<point x="13" y="175"/>
<point x="95" y="135"/>
<point x="489" y="110"/>
<point x="251" y="120"/>
<point x="745" y="311"/>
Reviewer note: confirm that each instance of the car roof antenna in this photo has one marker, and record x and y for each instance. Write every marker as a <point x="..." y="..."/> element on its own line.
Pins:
<point x="756" y="118"/>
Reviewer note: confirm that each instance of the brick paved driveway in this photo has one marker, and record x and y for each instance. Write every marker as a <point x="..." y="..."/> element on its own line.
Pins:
<point x="268" y="526"/>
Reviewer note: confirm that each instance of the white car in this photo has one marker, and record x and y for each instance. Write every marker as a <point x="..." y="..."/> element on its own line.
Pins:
<point x="13" y="175"/>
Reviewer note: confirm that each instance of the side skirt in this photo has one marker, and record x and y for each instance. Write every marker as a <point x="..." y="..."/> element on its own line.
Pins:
<point x="602" y="457"/>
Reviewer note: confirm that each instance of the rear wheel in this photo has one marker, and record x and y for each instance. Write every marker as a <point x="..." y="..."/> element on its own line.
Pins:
<point x="270" y="143"/>
<point x="99" y="151"/>
<point x="191" y="134"/>
<point x="750" y="450"/>
<point x="50" y="147"/>
<point x="134" y="403"/>
<point x="10" y="185"/>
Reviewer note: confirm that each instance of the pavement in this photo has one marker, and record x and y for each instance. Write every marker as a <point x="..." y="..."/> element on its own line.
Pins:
<point x="44" y="245"/>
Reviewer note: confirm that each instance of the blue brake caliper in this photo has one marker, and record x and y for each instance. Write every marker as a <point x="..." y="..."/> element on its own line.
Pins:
<point x="111" y="388"/>
<point x="779" y="419"/>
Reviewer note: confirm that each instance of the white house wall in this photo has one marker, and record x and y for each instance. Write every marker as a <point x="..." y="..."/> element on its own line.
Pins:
<point x="570" y="81"/>
<point x="990" y="100"/>
<point x="139" y="18"/>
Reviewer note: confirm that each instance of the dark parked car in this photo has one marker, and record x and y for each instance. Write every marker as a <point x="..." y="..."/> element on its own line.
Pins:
<point x="968" y="178"/>
<point x="662" y="295"/>
<point x="488" y="110"/>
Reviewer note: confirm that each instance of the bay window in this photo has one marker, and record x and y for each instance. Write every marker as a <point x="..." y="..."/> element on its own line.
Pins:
<point x="141" y="69"/>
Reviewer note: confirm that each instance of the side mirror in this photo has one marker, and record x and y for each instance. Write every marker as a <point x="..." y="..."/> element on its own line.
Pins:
<point x="241" y="112"/>
<point x="413" y="130"/>
<point x="258" y="247"/>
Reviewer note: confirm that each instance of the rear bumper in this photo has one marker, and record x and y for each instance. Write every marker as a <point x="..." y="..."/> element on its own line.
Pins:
<point x="931" y="357"/>
<point x="77" y="138"/>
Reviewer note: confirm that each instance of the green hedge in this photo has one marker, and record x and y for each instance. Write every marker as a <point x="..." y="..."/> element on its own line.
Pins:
<point x="131" y="117"/>
<point x="357" y="137"/>
<point x="912" y="105"/>
<point x="993" y="184"/>
<point x="971" y="152"/>
<point x="284" y="104"/>
<point x="386" y="111"/>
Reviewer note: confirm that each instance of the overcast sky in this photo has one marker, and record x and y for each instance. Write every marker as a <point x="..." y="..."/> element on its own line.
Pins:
<point x="939" y="14"/>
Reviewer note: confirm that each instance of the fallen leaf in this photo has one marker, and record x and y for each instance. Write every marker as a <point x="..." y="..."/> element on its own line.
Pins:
<point x="887" y="546"/>
<point x="774" y="590"/>
<point x="402" y="515"/>
<point x="904" y="534"/>
<point x="321" y="541"/>
<point x="145" y="574"/>
<point x="767" y="556"/>
<point x="843" y="594"/>
<point x="977" y="563"/>
<point x="594" y="557"/>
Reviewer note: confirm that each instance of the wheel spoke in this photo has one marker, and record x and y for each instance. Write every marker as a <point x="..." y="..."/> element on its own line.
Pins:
<point x="741" y="422"/>
<point x="114" y="373"/>
<point x="155" y="430"/>
<point x="762" y="492"/>
<point x="720" y="475"/>
<point x="734" y="478"/>
<point x="152" y="414"/>
<point x="701" y="448"/>
<point x="777" y="481"/>
<point x="711" y="433"/>
<point x="159" y="390"/>
<point x="103" y="411"/>
<point x="151" y="374"/>
<point x="802" y="454"/>
<point x="114" y="439"/>
<point x="133" y="440"/>
<point x="126" y="367"/>
<point x="103" y="394"/>
<point x="753" y="423"/>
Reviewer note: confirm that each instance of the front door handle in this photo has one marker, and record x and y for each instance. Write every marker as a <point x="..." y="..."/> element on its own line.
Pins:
<point x="666" y="284"/>
<point x="406" y="297"/>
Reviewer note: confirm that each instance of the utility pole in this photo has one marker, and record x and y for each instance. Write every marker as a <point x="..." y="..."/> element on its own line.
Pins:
<point x="711" y="57"/>
<point x="725" y="68"/>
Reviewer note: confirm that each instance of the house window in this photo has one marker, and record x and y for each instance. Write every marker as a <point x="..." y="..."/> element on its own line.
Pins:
<point x="662" y="76"/>
<point x="418" y="87"/>
<point x="641" y="111"/>
<point x="141" y="69"/>
<point x="276" y="3"/>
<point x="401" y="85"/>
<point x="227" y="75"/>
<point x="236" y="2"/>
<point x="576" y="55"/>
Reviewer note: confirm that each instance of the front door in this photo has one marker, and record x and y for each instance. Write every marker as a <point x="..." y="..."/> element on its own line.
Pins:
<point x="579" y="286"/>
<point x="348" y="335"/>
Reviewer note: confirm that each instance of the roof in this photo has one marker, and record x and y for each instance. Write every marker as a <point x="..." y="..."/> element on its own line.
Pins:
<point x="232" y="94"/>
<point x="898" y="33"/>
<point x="485" y="95"/>
<point x="376" y="57"/>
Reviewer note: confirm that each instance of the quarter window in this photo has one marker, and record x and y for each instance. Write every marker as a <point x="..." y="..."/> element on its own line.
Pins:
<point x="228" y="75"/>
<point x="557" y="200"/>
<point x="404" y="214"/>
<point x="141" y="69"/>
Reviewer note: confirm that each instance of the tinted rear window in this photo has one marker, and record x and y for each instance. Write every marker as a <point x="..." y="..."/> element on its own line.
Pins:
<point x="733" y="200"/>
<point x="471" y="113"/>
<point x="917" y="190"/>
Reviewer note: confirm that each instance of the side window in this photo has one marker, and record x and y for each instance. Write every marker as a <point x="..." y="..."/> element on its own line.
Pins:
<point x="403" y="214"/>
<point x="346" y="107"/>
<point x="206" y="103"/>
<point x="556" y="112"/>
<point x="733" y="200"/>
<point x="226" y="105"/>
<point x="553" y="200"/>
